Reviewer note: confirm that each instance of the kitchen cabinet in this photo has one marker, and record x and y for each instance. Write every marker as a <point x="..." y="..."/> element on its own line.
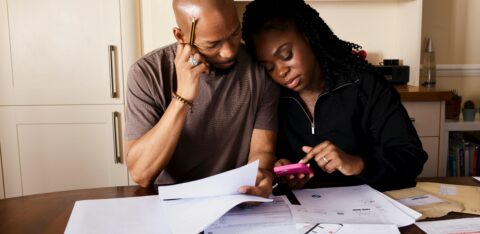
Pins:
<point x="55" y="148"/>
<point x="426" y="120"/>
<point x="63" y="71"/>
<point x="426" y="108"/>
<point x="62" y="52"/>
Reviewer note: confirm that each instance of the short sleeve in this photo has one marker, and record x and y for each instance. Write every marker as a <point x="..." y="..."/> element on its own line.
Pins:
<point x="142" y="112"/>
<point x="266" y="116"/>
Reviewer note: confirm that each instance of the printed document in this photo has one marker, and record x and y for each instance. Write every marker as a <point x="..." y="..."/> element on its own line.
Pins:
<point x="451" y="226"/>
<point x="350" y="205"/>
<point x="193" y="206"/>
<point x="184" y="208"/>
<point x="119" y="216"/>
<point x="271" y="217"/>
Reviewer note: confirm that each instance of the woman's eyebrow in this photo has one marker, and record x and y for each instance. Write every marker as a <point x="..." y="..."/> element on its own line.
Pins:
<point x="280" y="49"/>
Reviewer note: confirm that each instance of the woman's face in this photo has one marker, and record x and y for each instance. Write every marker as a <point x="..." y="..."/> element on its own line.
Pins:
<point x="287" y="57"/>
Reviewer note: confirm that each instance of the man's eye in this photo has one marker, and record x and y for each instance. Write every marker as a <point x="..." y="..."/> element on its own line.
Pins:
<point x="211" y="46"/>
<point x="236" y="33"/>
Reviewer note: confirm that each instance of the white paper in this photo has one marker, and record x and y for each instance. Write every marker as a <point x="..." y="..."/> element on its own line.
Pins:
<point x="450" y="190"/>
<point x="348" y="205"/>
<point x="193" y="215"/>
<point x="410" y="212"/>
<point x="477" y="178"/>
<point x="153" y="215"/>
<point x="421" y="200"/>
<point x="199" y="203"/>
<point x="271" y="217"/>
<point x="118" y="216"/>
<point x="354" y="228"/>
<point x="451" y="226"/>
<point x="225" y="183"/>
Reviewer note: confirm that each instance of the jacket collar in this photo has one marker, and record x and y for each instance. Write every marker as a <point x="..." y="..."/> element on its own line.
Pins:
<point x="331" y="86"/>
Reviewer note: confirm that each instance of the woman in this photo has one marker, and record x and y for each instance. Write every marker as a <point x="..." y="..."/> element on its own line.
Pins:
<point x="336" y="112"/>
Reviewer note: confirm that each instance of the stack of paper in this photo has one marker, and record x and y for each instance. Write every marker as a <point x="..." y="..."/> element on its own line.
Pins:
<point x="183" y="208"/>
<point x="356" y="209"/>
<point x="350" y="205"/>
<point x="452" y="226"/>
<point x="199" y="203"/>
<point x="429" y="205"/>
<point x="195" y="206"/>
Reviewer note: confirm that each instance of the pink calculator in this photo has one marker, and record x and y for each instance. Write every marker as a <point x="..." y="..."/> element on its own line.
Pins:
<point x="292" y="169"/>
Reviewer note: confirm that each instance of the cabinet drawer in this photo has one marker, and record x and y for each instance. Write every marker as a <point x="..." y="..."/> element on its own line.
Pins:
<point x="430" y="145"/>
<point x="425" y="117"/>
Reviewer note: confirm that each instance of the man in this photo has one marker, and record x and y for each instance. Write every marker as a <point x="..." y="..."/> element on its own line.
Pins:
<point x="198" y="110"/>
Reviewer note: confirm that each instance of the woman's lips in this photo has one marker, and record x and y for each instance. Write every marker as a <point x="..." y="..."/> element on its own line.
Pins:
<point x="292" y="83"/>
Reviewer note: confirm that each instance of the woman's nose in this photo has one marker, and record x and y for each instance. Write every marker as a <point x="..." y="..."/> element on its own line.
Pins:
<point x="283" y="71"/>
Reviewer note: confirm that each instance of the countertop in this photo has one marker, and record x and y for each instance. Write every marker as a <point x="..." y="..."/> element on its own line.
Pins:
<point x="418" y="94"/>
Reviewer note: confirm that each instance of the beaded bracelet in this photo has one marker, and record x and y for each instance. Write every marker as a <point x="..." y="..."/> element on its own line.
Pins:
<point x="182" y="100"/>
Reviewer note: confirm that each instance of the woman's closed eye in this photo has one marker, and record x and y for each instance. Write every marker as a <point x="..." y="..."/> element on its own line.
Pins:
<point x="286" y="55"/>
<point x="268" y="67"/>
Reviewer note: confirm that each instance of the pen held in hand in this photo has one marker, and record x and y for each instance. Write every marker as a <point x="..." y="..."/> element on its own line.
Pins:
<point x="192" y="32"/>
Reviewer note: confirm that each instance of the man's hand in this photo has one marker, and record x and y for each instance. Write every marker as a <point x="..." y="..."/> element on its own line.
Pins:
<point x="263" y="185"/>
<point x="188" y="74"/>
<point x="292" y="181"/>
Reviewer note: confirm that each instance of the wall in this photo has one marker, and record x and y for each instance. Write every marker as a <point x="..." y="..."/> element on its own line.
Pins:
<point x="385" y="29"/>
<point x="454" y="26"/>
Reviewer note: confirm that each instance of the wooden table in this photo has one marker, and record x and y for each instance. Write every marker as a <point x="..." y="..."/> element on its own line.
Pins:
<point x="49" y="213"/>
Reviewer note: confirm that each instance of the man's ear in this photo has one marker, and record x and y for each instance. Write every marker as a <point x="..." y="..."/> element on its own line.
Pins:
<point x="178" y="34"/>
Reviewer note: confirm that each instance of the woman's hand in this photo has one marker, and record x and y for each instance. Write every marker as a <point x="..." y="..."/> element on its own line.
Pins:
<point x="188" y="74"/>
<point x="331" y="158"/>
<point x="292" y="181"/>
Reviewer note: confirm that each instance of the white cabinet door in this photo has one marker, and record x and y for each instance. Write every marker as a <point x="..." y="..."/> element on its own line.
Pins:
<point x="59" y="52"/>
<point x="430" y="145"/>
<point x="427" y="118"/>
<point x="55" y="148"/>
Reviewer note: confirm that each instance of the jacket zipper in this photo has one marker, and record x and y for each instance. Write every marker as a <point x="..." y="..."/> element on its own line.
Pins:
<point x="312" y="122"/>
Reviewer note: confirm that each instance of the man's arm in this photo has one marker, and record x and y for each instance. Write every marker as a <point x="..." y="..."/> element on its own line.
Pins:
<point x="262" y="147"/>
<point x="150" y="154"/>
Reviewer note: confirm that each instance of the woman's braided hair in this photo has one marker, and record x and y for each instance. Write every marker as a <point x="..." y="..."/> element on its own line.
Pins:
<point x="334" y="55"/>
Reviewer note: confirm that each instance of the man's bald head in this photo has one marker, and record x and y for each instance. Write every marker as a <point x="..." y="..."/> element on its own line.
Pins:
<point x="217" y="33"/>
<point x="186" y="10"/>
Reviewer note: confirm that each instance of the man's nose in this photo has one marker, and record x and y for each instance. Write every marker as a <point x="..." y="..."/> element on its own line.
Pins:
<point x="228" y="50"/>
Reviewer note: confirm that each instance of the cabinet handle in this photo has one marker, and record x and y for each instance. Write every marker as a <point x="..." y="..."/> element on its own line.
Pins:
<point x="412" y="119"/>
<point x="117" y="157"/>
<point x="112" y="58"/>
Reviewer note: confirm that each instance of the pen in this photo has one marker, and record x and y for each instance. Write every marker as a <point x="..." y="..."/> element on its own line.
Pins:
<point x="420" y="197"/>
<point x="192" y="32"/>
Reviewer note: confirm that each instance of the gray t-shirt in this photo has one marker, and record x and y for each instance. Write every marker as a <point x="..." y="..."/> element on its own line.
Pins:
<point x="217" y="132"/>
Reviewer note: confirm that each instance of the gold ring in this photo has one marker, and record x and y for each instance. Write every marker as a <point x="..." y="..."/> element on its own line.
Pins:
<point x="325" y="159"/>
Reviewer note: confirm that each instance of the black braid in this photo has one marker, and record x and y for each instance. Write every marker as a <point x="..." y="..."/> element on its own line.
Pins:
<point x="333" y="54"/>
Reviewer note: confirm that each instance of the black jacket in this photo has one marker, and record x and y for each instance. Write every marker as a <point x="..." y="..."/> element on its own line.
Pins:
<point x="363" y="117"/>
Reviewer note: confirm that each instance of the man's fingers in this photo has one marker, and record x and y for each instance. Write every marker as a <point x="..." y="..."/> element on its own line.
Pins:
<point x="258" y="191"/>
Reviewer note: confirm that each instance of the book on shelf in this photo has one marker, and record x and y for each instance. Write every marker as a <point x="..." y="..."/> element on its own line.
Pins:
<point x="463" y="158"/>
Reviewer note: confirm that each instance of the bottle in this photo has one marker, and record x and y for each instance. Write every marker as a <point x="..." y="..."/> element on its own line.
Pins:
<point x="429" y="67"/>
